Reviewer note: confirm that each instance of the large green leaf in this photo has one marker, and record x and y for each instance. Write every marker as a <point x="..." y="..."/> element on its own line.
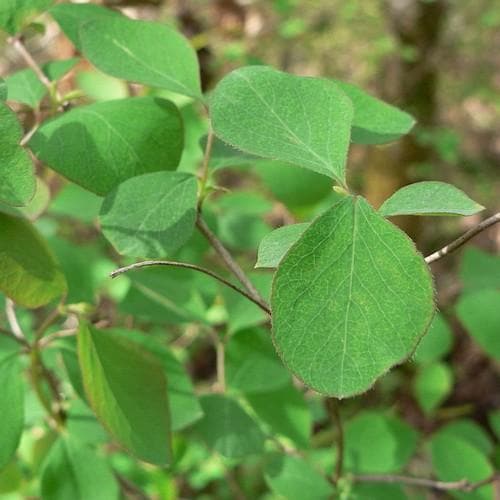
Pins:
<point x="101" y="145"/>
<point x="276" y="244"/>
<point x="127" y="389"/>
<point x="11" y="407"/>
<point x="300" y="120"/>
<point x="29" y="275"/>
<point x="25" y="87"/>
<point x="429" y="198"/>
<point x="17" y="180"/>
<point x="73" y="470"/>
<point x="142" y="51"/>
<point x="479" y="312"/>
<point x="151" y="215"/>
<point x="16" y="14"/>
<point x="433" y="383"/>
<point x="227" y="428"/>
<point x="375" y="122"/>
<point x="350" y="299"/>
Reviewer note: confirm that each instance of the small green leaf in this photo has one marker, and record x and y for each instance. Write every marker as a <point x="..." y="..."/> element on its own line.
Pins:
<point x="16" y="14"/>
<point x="479" y="312"/>
<point x="73" y="470"/>
<point x="69" y="202"/>
<point x="479" y="270"/>
<point x="436" y="343"/>
<point x="151" y="215"/>
<point x="3" y="90"/>
<point x="228" y="429"/>
<point x="429" y="198"/>
<point x="378" y="443"/>
<point x="127" y="389"/>
<point x="11" y="407"/>
<point x="101" y="145"/>
<point x="433" y="384"/>
<point x="375" y="122"/>
<point x="294" y="479"/>
<point x="224" y="156"/>
<point x="351" y="299"/>
<point x="25" y="87"/>
<point x="276" y="244"/>
<point x="142" y="51"/>
<point x="29" y="275"/>
<point x="300" y="120"/>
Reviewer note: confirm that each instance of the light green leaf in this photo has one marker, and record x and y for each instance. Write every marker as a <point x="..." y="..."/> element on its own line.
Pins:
<point x="433" y="384"/>
<point x="142" y="51"/>
<point x="11" y="407"/>
<point x="285" y="411"/>
<point x="378" y="443"/>
<point x="72" y="16"/>
<point x="151" y="215"/>
<point x="69" y="202"/>
<point x="351" y="299"/>
<point x="25" y="87"/>
<point x="101" y="145"/>
<point x="429" y="198"/>
<point x="436" y="343"/>
<point x="17" y="179"/>
<point x="479" y="270"/>
<point x="127" y="389"/>
<point x="29" y="275"/>
<point x="301" y="120"/>
<point x="73" y="470"/>
<point x="98" y="86"/>
<point x="16" y="14"/>
<point x="294" y="479"/>
<point x="227" y="428"/>
<point x="479" y="312"/>
<point x="454" y="459"/>
<point x="375" y="122"/>
<point x="276" y="244"/>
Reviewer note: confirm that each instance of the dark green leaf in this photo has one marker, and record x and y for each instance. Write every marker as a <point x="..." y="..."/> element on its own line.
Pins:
<point x="127" y="389"/>
<point x="3" y="90"/>
<point x="103" y="144"/>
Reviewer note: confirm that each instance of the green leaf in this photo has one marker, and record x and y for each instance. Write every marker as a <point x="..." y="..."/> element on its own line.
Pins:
<point x="251" y="363"/>
<point x="375" y="122"/>
<point x="479" y="312"/>
<point x="29" y="275"/>
<point x="301" y="120"/>
<point x="276" y="244"/>
<point x="433" y="384"/>
<point x="16" y="14"/>
<point x="25" y="87"/>
<point x="494" y="421"/>
<point x="103" y="144"/>
<point x="3" y="90"/>
<point x="285" y="411"/>
<point x="294" y="479"/>
<point x="223" y="155"/>
<point x="17" y="179"/>
<point x="436" y="343"/>
<point x="470" y="431"/>
<point x="71" y="17"/>
<point x="351" y="299"/>
<point x="479" y="270"/>
<point x="151" y="215"/>
<point x="73" y="470"/>
<point x="126" y="387"/>
<point x="142" y="51"/>
<point x="228" y="429"/>
<point x="454" y="459"/>
<point x="378" y="443"/>
<point x="429" y="198"/>
<point x="69" y="202"/>
<point x="98" y="86"/>
<point x="11" y="407"/>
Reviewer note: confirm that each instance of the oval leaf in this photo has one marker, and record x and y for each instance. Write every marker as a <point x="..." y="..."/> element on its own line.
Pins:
<point x="29" y="275"/>
<point x="127" y="389"/>
<point x="101" y="145"/>
<point x="433" y="383"/>
<point x="350" y="299"/>
<point x="301" y="120"/>
<point x="429" y="198"/>
<point x="151" y="215"/>
<point x="142" y="51"/>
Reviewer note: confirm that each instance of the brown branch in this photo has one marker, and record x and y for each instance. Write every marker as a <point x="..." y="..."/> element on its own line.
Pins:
<point x="462" y="485"/>
<point x="333" y="409"/>
<point x="451" y="247"/>
<point x="232" y="265"/>
<point x="185" y="265"/>
<point x="48" y="339"/>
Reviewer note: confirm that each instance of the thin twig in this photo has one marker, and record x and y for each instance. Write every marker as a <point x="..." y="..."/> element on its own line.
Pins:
<point x="130" y="489"/>
<point x="185" y="265"/>
<point x="462" y="485"/>
<point x="15" y="328"/>
<point x="232" y="265"/>
<point x="204" y="166"/>
<point x="451" y="247"/>
<point x="220" y="351"/>
<point x="48" y="339"/>
<point x="333" y="409"/>
<point x="48" y="321"/>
